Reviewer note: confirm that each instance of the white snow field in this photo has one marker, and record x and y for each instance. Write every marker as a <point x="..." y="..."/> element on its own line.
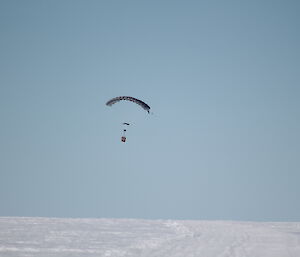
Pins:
<point x="44" y="237"/>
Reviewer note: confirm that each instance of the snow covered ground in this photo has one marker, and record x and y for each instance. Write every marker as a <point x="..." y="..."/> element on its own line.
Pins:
<point x="44" y="237"/>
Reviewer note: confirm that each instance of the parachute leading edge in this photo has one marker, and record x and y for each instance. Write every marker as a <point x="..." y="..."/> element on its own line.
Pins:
<point x="129" y="98"/>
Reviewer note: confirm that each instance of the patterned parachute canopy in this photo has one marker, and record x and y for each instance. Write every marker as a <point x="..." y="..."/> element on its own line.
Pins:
<point x="128" y="98"/>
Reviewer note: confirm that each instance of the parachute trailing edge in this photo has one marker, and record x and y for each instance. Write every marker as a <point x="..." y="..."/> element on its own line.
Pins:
<point x="129" y="98"/>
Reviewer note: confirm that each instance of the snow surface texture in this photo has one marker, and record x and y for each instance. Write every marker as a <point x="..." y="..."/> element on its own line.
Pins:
<point x="128" y="237"/>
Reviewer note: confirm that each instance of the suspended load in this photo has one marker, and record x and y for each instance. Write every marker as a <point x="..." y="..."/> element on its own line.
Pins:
<point x="123" y="138"/>
<point x="129" y="98"/>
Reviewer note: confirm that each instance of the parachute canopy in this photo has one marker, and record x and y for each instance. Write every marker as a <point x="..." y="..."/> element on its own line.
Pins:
<point x="128" y="98"/>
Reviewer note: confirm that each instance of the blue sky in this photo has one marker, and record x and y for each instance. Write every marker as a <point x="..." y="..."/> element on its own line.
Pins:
<point x="222" y="80"/>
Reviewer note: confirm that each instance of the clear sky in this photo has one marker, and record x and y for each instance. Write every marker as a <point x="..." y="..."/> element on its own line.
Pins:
<point x="223" y="82"/>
